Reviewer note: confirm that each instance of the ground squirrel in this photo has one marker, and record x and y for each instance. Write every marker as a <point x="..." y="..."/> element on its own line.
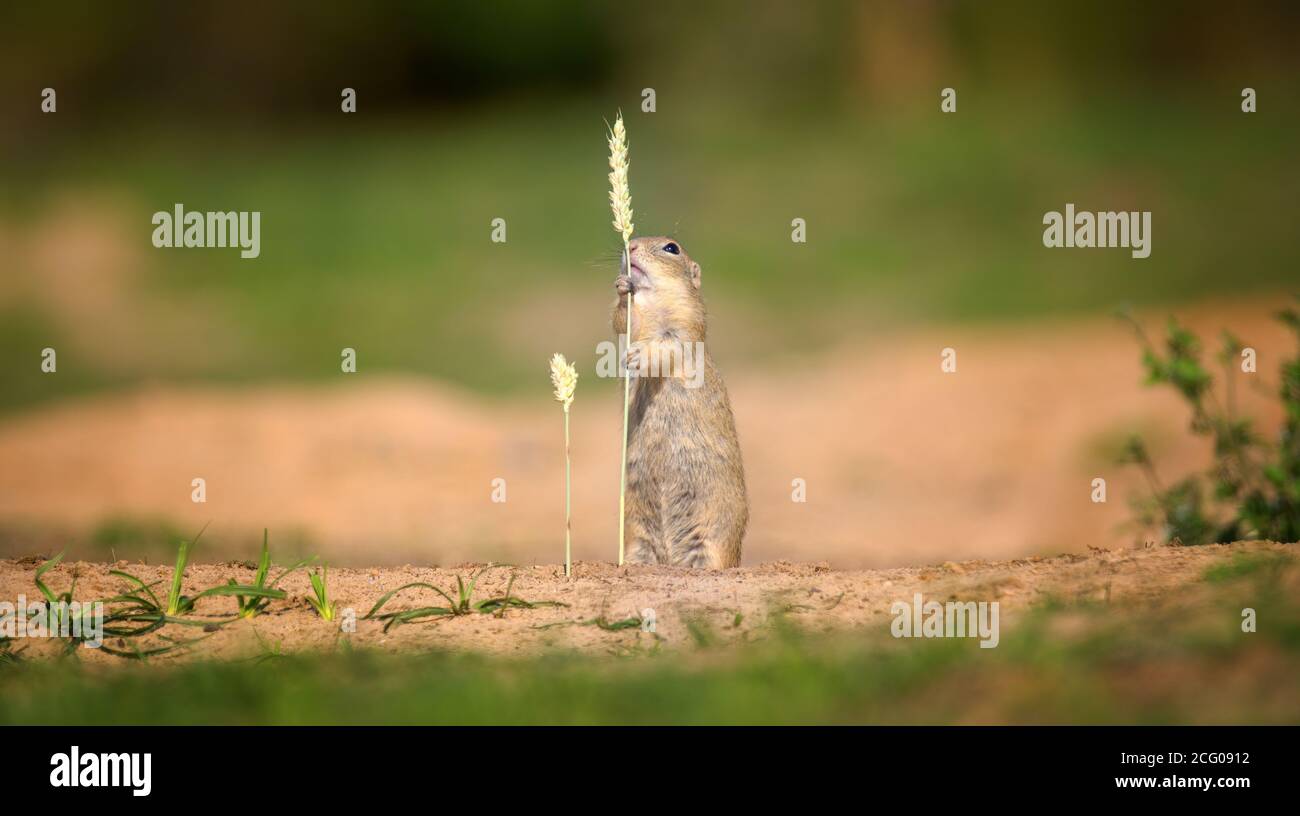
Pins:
<point x="686" y="501"/>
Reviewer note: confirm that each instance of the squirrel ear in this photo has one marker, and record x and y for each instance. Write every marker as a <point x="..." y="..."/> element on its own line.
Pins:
<point x="695" y="274"/>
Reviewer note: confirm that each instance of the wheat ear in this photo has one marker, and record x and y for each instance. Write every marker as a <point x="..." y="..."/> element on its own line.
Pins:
<point x="564" y="377"/>
<point x="620" y="201"/>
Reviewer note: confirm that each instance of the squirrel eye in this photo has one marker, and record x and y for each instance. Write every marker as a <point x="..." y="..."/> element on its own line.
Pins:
<point x="672" y="249"/>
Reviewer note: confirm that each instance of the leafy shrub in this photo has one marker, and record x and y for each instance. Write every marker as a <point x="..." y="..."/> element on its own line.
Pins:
<point x="1254" y="484"/>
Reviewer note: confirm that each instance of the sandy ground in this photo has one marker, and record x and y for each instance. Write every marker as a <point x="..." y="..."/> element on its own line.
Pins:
<point x="728" y="605"/>
<point x="903" y="464"/>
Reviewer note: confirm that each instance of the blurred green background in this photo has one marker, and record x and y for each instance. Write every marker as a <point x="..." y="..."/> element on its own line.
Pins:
<point x="376" y="225"/>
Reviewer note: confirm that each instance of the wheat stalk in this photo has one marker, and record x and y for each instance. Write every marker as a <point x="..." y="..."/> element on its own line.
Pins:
<point x="620" y="201"/>
<point x="564" y="377"/>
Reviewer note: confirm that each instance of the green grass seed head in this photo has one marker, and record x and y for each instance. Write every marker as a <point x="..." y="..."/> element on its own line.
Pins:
<point x="320" y="589"/>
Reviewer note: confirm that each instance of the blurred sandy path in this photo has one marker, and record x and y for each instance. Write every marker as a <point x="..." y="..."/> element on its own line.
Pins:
<point x="903" y="464"/>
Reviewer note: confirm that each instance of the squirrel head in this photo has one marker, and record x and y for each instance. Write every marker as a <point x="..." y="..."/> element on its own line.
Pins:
<point x="662" y="263"/>
<point x="666" y="286"/>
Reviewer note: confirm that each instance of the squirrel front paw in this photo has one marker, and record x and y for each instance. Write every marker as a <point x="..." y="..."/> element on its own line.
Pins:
<point x="623" y="284"/>
<point x="635" y="360"/>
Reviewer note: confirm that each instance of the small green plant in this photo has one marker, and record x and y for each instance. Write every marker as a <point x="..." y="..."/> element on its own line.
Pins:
<point x="700" y="630"/>
<point x="251" y="605"/>
<point x="178" y="604"/>
<point x="1254" y="485"/>
<point x="319" y="599"/>
<point x="137" y="611"/>
<point x="461" y="604"/>
<point x="57" y="602"/>
<point x="62" y="618"/>
<point x="128" y="615"/>
<point x="269" y="651"/>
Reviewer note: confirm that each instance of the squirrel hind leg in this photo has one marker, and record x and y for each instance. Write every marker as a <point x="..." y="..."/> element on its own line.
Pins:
<point x="642" y="551"/>
<point x="642" y="546"/>
<point x="692" y="549"/>
<point x="705" y="546"/>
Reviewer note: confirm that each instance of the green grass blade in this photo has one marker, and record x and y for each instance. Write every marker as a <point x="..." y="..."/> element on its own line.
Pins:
<point x="264" y="565"/>
<point x="142" y="654"/>
<point x="395" y="619"/>
<point x="386" y="597"/>
<point x="240" y="589"/>
<point x="174" y="602"/>
<point x="40" y="571"/>
<point x="141" y="585"/>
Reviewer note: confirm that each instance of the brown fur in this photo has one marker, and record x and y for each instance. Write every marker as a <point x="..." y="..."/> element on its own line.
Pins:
<point x="686" y="502"/>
